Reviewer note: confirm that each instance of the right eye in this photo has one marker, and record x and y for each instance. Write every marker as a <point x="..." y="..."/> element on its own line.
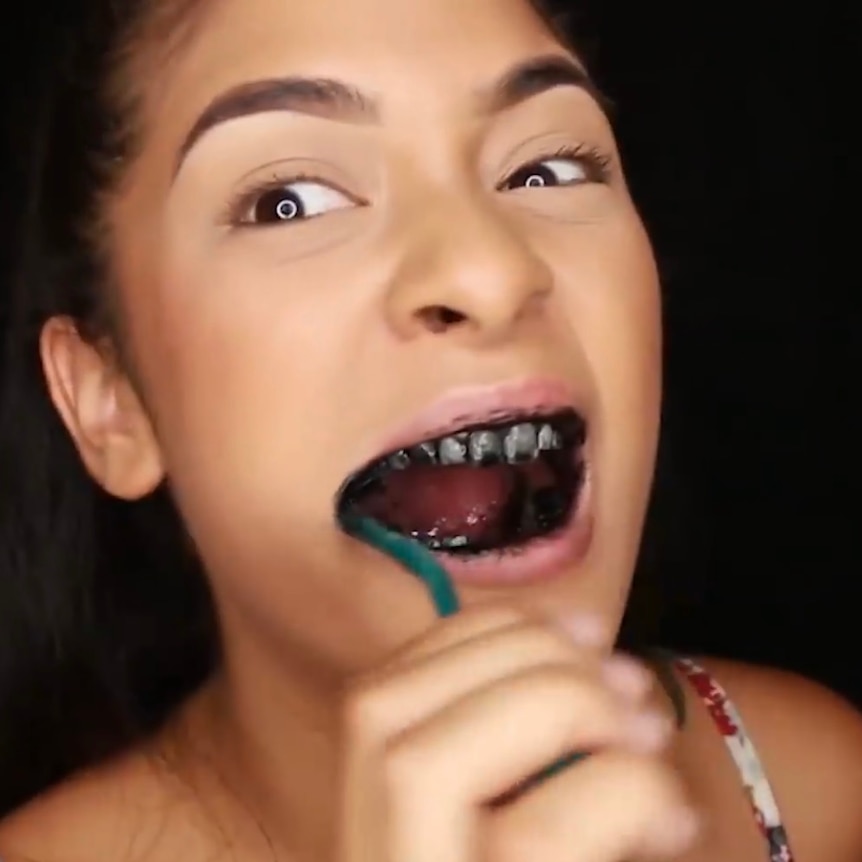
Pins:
<point x="298" y="200"/>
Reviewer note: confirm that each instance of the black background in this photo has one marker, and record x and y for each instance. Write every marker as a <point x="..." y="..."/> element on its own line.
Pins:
<point x="735" y="120"/>
<point x="736" y="123"/>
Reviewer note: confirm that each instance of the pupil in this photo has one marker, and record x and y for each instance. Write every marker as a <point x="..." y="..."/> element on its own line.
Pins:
<point x="278" y="205"/>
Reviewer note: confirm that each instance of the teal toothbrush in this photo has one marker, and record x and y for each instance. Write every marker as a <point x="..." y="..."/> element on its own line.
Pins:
<point x="413" y="557"/>
<point x="422" y="563"/>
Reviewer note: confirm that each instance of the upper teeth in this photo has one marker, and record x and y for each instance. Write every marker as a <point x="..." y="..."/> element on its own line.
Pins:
<point x="521" y="443"/>
<point x="484" y="446"/>
<point x="513" y="445"/>
<point x="453" y="450"/>
<point x="548" y="438"/>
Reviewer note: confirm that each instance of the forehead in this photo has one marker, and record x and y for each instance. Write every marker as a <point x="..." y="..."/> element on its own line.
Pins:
<point x="421" y="52"/>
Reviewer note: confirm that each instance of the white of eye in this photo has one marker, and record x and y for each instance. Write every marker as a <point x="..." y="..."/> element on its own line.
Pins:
<point x="308" y="199"/>
<point x="565" y="172"/>
<point x="295" y="201"/>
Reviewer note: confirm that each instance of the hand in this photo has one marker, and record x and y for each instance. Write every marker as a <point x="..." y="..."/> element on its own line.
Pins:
<point x="484" y="702"/>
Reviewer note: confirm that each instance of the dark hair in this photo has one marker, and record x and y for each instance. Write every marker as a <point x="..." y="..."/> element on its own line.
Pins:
<point x="106" y="621"/>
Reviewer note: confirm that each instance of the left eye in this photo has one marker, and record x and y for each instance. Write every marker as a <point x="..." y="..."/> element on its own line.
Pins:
<point x="548" y="172"/>
<point x="294" y="201"/>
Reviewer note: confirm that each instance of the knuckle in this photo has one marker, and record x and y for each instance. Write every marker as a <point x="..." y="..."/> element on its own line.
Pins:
<point x="366" y="711"/>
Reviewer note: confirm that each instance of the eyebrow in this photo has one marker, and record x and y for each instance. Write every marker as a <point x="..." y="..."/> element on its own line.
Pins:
<point x="340" y="101"/>
<point x="534" y="77"/>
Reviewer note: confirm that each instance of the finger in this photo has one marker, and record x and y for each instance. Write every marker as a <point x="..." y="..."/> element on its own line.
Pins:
<point x="466" y="625"/>
<point x="586" y="630"/>
<point x="438" y="775"/>
<point x="478" y="649"/>
<point x="616" y="806"/>
<point x="385" y="706"/>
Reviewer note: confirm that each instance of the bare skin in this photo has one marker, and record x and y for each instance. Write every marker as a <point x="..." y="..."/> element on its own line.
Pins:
<point x="347" y="723"/>
<point x="149" y="806"/>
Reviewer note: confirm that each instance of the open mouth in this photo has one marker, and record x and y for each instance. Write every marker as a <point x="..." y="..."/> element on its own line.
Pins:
<point x="491" y="488"/>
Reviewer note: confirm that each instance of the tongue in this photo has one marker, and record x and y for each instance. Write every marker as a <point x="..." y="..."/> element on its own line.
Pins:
<point x="446" y="502"/>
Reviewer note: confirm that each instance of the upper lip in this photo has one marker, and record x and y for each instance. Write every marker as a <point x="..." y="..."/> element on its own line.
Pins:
<point x="477" y="405"/>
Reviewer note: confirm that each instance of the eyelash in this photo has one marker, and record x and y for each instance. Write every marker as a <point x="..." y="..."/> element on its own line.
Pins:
<point x="599" y="164"/>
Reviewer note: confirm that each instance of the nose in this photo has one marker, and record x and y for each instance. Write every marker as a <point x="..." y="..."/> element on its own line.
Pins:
<point x="464" y="267"/>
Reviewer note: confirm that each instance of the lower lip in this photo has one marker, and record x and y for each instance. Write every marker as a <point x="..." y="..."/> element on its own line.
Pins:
<point x="540" y="560"/>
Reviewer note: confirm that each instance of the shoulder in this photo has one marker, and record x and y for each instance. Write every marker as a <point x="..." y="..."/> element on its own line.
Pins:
<point x="61" y="824"/>
<point x="97" y="815"/>
<point x="810" y="742"/>
<point x="52" y="827"/>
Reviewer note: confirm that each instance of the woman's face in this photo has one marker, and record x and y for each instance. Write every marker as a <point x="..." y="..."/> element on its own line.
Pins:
<point x="315" y="274"/>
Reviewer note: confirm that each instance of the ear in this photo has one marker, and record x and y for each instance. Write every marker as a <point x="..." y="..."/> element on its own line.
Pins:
<point x="102" y="411"/>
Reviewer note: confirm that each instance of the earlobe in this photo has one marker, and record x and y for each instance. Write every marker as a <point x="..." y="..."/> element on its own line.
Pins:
<point x="101" y="410"/>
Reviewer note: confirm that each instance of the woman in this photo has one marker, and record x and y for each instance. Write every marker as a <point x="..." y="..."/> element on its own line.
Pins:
<point x="290" y="264"/>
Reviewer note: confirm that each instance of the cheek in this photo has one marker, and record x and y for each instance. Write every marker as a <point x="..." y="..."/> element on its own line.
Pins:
<point x="614" y="305"/>
<point x="612" y="300"/>
<point x="251" y="389"/>
<point x="622" y="333"/>
<point x="264" y="380"/>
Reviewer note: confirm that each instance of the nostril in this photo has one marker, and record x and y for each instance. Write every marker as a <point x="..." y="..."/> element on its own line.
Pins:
<point x="439" y="318"/>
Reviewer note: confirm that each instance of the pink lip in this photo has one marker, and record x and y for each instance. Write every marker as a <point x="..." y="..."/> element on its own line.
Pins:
<point x="471" y="405"/>
<point x="543" y="559"/>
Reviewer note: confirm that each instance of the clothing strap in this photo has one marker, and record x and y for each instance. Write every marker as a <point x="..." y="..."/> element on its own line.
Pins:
<point x="757" y="787"/>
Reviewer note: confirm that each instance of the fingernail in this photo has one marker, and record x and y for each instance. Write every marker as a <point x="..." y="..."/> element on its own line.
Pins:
<point x="627" y="677"/>
<point x="585" y="630"/>
<point x="649" y="731"/>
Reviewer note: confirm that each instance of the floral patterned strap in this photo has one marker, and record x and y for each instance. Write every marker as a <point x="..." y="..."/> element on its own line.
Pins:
<point x="742" y="750"/>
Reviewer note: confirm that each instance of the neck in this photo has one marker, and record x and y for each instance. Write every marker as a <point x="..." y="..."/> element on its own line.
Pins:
<point x="263" y="746"/>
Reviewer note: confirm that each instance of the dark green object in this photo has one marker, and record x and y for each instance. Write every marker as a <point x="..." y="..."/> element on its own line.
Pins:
<point x="414" y="557"/>
<point x="559" y="766"/>
<point x="662" y="661"/>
